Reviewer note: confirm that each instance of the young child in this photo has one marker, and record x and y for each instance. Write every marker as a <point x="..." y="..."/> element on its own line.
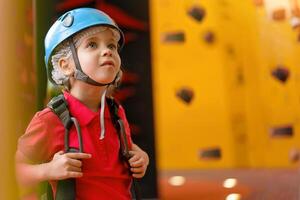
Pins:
<point x="81" y="54"/>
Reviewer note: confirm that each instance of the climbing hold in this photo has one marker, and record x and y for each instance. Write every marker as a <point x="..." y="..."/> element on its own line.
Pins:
<point x="197" y="13"/>
<point x="210" y="153"/>
<point x="209" y="37"/>
<point x="282" y="131"/>
<point x="279" y="14"/>
<point x="174" y="37"/>
<point x="281" y="73"/>
<point x="294" y="155"/>
<point x="185" y="94"/>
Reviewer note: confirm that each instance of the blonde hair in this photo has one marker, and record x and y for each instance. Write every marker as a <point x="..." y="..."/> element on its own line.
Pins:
<point x="63" y="50"/>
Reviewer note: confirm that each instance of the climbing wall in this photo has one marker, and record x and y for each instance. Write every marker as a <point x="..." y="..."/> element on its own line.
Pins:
<point x="225" y="83"/>
<point x="272" y="94"/>
<point x="191" y="111"/>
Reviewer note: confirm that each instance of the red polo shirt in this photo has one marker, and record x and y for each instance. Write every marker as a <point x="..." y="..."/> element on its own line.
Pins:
<point x="105" y="176"/>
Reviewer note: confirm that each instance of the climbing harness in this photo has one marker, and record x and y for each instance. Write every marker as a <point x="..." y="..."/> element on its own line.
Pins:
<point x="66" y="189"/>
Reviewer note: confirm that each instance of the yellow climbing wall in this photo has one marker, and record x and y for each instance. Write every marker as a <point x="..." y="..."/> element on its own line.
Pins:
<point x="225" y="77"/>
<point x="183" y="129"/>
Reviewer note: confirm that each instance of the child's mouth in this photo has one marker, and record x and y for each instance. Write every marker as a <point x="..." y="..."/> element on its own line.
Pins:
<point x="107" y="63"/>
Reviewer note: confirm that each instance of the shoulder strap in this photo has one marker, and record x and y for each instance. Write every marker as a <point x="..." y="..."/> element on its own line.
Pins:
<point x="65" y="188"/>
<point x="119" y="125"/>
<point x="114" y="111"/>
<point x="59" y="106"/>
<point x="124" y="150"/>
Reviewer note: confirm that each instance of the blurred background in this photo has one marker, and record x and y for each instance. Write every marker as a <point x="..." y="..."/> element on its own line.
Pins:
<point x="211" y="91"/>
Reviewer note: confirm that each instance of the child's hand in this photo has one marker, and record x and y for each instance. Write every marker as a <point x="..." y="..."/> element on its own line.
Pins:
<point x="138" y="162"/>
<point x="66" y="165"/>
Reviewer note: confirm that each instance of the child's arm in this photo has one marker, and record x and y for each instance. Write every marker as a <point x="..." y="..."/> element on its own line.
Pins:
<point x="62" y="166"/>
<point x="138" y="162"/>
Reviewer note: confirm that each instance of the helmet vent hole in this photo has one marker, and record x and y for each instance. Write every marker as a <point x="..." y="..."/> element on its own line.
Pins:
<point x="67" y="20"/>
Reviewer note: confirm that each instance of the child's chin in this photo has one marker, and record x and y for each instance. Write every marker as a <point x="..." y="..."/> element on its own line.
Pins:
<point x="106" y="81"/>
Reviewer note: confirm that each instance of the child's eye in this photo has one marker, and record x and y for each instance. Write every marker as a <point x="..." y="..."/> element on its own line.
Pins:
<point x="92" y="45"/>
<point x="112" y="46"/>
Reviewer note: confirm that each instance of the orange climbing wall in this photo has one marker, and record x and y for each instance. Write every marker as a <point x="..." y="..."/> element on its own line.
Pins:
<point x="225" y="78"/>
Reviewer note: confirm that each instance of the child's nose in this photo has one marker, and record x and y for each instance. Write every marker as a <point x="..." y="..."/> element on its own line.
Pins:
<point x="106" y="52"/>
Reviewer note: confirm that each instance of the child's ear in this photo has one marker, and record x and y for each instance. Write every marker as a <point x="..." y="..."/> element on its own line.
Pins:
<point x="65" y="66"/>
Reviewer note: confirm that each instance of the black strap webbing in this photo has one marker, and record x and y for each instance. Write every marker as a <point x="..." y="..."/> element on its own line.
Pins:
<point x="59" y="106"/>
<point x="79" y="74"/>
<point x="66" y="189"/>
<point x="124" y="151"/>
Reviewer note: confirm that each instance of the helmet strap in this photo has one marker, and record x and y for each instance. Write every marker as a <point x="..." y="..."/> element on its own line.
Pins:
<point x="79" y="74"/>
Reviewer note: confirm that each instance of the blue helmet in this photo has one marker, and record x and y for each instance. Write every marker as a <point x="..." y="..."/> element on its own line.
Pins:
<point x="71" y="23"/>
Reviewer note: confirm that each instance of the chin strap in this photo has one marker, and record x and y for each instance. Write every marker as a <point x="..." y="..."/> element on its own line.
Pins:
<point x="79" y="74"/>
<point x="102" y="109"/>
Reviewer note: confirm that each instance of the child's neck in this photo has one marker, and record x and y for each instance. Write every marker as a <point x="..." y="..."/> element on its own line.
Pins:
<point x="89" y="95"/>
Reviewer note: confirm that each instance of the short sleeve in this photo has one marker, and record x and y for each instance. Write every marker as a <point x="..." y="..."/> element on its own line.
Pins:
<point x="37" y="143"/>
<point x="122" y="115"/>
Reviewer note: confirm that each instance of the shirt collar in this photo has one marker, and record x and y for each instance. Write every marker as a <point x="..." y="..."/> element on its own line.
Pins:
<point x="81" y="112"/>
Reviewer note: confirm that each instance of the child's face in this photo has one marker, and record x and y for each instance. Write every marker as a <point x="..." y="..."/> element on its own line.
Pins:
<point x="99" y="57"/>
